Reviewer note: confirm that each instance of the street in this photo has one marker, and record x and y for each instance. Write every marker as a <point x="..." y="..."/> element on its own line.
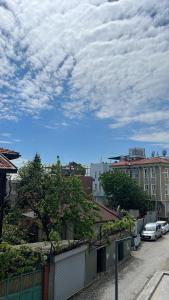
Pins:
<point x="133" y="274"/>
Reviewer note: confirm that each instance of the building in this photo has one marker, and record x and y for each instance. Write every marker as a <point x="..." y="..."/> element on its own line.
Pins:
<point x="96" y="169"/>
<point x="152" y="174"/>
<point x="6" y="167"/>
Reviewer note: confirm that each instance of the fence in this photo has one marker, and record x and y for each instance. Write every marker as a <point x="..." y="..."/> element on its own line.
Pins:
<point x="22" y="287"/>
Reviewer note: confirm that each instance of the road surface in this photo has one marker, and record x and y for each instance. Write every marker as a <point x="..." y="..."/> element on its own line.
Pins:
<point x="133" y="274"/>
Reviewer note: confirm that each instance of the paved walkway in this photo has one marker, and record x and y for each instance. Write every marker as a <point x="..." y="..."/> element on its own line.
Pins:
<point x="134" y="274"/>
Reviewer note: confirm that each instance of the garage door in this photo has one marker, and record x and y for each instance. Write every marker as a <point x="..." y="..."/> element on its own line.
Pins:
<point x="69" y="273"/>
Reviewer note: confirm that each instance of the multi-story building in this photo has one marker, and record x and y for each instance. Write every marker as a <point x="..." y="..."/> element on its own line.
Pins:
<point x="96" y="169"/>
<point x="152" y="174"/>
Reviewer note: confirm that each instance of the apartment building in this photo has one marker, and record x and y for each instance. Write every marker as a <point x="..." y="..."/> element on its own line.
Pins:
<point x="152" y="174"/>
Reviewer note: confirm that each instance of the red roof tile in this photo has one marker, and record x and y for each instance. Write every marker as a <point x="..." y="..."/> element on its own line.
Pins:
<point x="10" y="154"/>
<point x="105" y="214"/>
<point x="146" y="161"/>
<point x="6" y="166"/>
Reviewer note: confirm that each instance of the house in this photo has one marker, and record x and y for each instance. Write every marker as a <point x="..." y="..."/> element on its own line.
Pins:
<point x="152" y="174"/>
<point x="6" y="167"/>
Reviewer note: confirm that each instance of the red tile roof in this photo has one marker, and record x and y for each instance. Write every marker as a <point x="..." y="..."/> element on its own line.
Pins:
<point x="6" y="166"/>
<point x="10" y="154"/>
<point x="105" y="214"/>
<point x="145" y="161"/>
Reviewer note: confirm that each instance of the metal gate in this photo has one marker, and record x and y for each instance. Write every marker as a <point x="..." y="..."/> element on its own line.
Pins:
<point x="22" y="287"/>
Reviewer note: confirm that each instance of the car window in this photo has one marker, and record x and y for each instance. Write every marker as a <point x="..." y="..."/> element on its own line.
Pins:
<point x="150" y="228"/>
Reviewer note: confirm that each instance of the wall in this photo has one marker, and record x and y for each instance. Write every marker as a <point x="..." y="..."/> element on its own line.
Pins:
<point x="110" y="255"/>
<point x="127" y="248"/>
<point x="149" y="218"/>
<point x="69" y="275"/>
<point x="95" y="171"/>
<point x="76" y="269"/>
<point x="91" y="266"/>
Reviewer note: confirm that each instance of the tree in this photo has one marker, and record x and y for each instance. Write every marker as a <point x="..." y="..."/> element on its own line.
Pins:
<point x="14" y="261"/>
<point x="153" y="153"/>
<point x="164" y="152"/>
<point x="57" y="200"/>
<point x="122" y="190"/>
<point x="73" y="168"/>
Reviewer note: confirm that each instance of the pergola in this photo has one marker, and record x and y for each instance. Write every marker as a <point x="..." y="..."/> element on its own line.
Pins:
<point x="6" y="167"/>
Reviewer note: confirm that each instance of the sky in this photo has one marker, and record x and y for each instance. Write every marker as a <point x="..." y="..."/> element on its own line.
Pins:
<point x="83" y="79"/>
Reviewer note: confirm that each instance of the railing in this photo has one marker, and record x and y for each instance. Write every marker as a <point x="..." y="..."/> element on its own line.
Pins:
<point x="24" y="286"/>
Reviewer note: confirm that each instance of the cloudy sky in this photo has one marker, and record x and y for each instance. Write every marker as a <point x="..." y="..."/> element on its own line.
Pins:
<point x="84" y="79"/>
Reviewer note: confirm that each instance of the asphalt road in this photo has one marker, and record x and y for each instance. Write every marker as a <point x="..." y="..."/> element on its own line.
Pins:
<point x="133" y="274"/>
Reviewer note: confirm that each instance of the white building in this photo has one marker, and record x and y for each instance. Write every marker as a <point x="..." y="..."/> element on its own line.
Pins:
<point x="96" y="169"/>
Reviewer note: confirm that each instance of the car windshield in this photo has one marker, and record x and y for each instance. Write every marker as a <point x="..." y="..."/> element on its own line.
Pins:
<point x="150" y="228"/>
<point x="162" y="223"/>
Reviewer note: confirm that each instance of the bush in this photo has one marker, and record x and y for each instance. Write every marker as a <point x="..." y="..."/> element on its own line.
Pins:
<point x="14" y="261"/>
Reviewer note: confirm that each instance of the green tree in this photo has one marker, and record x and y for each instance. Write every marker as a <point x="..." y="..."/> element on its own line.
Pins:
<point x="122" y="190"/>
<point x="73" y="168"/>
<point x="57" y="200"/>
<point x="19" y="260"/>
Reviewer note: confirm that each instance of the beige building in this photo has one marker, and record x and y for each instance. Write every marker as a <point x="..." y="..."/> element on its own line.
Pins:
<point x="152" y="174"/>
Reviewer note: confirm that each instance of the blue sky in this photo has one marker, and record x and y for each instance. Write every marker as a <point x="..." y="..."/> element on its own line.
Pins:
<point x="84" y="80"/>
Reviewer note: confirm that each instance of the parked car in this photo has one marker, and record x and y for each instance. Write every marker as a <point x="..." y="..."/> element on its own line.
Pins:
<point x="164" y="226"/>
<point x="151" y="231"/>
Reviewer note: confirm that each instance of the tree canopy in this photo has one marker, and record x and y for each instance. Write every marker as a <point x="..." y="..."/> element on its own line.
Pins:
<point x="121" y="190"/>
<point x="73" y="168"/>
<point x="56" y="199"/>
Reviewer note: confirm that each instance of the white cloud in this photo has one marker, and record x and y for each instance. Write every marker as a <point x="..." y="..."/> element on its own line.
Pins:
<point x="5" y="134"/>
<point x="19" y="162"/>
<point x="57" y="125"/>
<point x="160" y="137"/>
<point x="5" y="142"/>
<point x="111" y="58"/>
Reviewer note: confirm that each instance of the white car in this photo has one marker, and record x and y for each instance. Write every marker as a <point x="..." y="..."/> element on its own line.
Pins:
<point x="164" y="226"/>
<point x="151" y="231"/>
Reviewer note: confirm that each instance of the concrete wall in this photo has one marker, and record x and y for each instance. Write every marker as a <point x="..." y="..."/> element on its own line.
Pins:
<point x="149" y="218"/>
<point x="74" y="270"/>
<point x="91" y="266"/>
<point x="110" y="255"/>
<point x="127" y="248"/>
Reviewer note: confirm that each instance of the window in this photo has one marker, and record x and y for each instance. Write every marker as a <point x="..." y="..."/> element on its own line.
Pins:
<point x="135" y="173"/>
<point x="95" y="186"/>
<point x="146" y="188"/>
<point x="145" y="173"/>
<point x="152" y="172"/>
<point x="165" y="173"/>
<point x="153" y="189"/>
<point x="166" y="189"/>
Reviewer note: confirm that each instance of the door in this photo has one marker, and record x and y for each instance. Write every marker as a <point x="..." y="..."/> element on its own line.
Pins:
<point x="120" y="251"/>
<point x="101" y="260"/>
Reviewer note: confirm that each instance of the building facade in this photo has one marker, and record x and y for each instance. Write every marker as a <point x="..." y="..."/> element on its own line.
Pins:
<point x="152" y="174"/>
<point x="96" y="169"/>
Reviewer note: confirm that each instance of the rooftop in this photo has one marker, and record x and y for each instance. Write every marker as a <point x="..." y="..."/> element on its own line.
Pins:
<point x="144" y="161"/>
<point x="105" y="214"/>
<point x="6" y="166"/>
<point x="10" y="154"/>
